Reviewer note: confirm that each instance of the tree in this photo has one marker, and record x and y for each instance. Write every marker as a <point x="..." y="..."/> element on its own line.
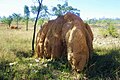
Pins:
<point x="43" y="11"/>
<point x="17" y="18"/>
<point x="38" y="12"/>
<point x="7" y="20"/>
<point x="63" y="9"/>
<point x="27" y="15"/>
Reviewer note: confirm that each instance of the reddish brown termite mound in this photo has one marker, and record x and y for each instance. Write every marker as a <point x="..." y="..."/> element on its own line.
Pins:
<point x="67" y="36"/>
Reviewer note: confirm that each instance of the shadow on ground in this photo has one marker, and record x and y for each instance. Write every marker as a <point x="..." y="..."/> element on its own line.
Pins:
<point x="22" y="53"/>
<point x="105" y="66"/>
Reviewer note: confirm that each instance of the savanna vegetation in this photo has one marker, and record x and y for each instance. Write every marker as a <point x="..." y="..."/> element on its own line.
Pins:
<point x="17" y="61"/>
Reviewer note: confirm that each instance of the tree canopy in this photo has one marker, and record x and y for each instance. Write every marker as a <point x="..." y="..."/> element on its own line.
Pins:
<point x="26" y="11"/>
<point x="55" y="11"/>
<point x="43" y="11"/>
<point x="7" y="20"/>
<point x="16" y="17"/>
<point x="63" y="9"/>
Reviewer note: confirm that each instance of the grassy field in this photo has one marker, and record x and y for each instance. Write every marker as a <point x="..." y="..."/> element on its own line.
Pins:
<point x="16" y="62"/>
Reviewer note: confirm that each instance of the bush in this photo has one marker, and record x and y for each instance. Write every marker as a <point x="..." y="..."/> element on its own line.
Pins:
<point x="104" y="33"/>
<point x="109" y="31"/>
<point x="112" y="31"/>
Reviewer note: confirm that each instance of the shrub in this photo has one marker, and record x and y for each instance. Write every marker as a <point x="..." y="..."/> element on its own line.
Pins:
<point x="104" y="33"/>
<point x="112" y="31"/>
<point x="109" y="31"/>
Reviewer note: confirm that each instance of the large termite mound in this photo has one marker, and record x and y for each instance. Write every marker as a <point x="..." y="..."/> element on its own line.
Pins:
<point x="67" y="36"/>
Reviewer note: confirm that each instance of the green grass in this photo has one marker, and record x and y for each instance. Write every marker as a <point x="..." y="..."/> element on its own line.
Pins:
<point x="16" y="62"/>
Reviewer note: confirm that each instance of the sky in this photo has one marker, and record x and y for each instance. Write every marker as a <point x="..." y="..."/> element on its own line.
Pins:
<point x="88" y="8"/>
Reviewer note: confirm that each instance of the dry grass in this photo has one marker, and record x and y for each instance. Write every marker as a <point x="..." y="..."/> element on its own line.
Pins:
<point x="14" y="42"/>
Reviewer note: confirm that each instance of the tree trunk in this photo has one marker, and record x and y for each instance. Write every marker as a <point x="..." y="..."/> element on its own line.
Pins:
<point x="17" y="22"/>
<point x="9" y="25"/>
<point x="27" y="24"/>
<point x="40" y="3"/>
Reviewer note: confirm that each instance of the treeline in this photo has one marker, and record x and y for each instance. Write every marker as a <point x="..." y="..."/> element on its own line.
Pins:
<point x="107" y="26"/>
<point x="45" y="14"/>
<point x="103" y="21"/>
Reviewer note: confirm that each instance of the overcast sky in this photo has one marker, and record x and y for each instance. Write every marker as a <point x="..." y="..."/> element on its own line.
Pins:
<point x="88" y="8"/>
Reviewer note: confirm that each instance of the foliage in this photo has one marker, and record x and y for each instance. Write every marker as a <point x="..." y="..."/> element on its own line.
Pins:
<point x="43" y="12"/>
<point x="26" y="11"/>
<point x="63" y="9"/>
<point x="7" y="20"/>
<point x="27" y="15"/>
<point x="16" y="17"/>
<point x="42" y="21"/>
<point x="103" y="21"/>
<point x="104" y="32"/>
<point x="112" y="31"/>
<point x="109" y="31"/>
<point x="56" y="11"/>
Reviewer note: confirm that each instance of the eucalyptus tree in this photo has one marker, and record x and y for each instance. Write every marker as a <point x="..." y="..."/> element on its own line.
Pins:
<point x="44" y="13"/>
<point x="7" y="20"/>
<point x="63" y="9"/>
<point x="27" y="15"/>
<point x="17" y="18"/>
<point x="38" y="12"/>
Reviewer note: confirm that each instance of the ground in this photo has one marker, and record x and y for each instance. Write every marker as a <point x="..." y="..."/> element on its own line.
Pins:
<point x="16" y="61"/>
